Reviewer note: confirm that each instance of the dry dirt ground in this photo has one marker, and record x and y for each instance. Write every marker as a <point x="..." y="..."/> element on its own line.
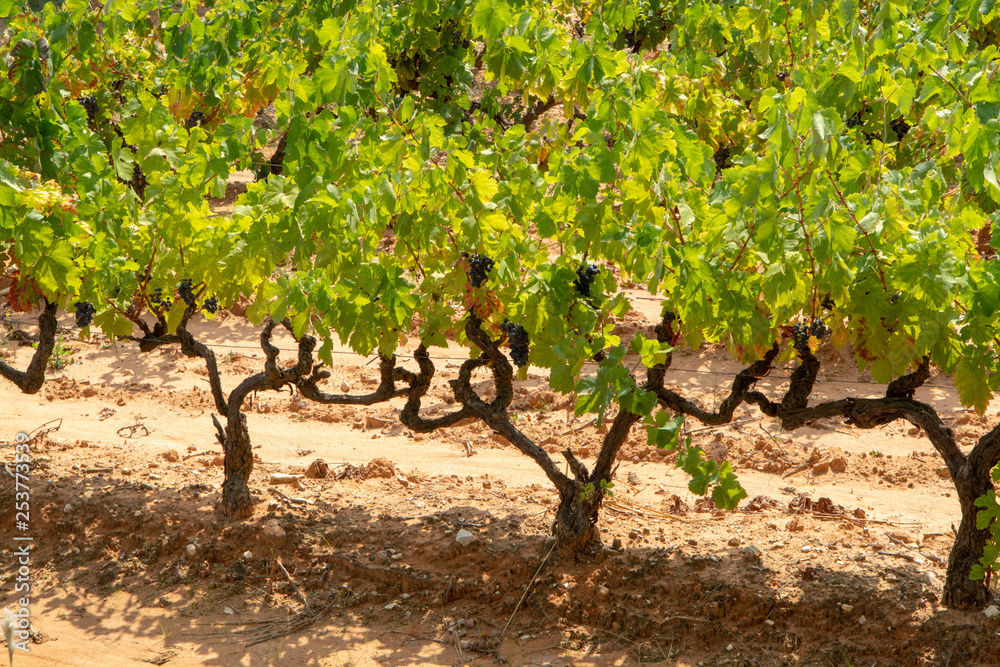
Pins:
<point x="836" y="558"/>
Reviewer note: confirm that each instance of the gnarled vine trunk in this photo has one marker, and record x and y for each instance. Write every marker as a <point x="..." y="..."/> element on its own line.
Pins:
<point x="970" y="473"/>
<point x="575" y="525"/>
<point x="961" y="592"/>
<point x="238" y="464"/>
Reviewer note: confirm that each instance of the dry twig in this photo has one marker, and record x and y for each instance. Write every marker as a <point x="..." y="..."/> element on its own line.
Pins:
<point x="289" y="577"/>
<point x="527" y="589"/>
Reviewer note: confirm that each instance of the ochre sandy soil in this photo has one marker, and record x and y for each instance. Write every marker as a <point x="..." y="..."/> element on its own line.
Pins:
<point x="130" y="478"/>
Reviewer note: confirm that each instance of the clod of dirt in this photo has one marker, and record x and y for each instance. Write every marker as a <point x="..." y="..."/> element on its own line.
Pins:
<point x="757" y="504"/>
<point x="272" y="535"/>
<point x="379" y="467"/>
<point x="318" y="469"/>
<point x="838" y="465"/>
<point x="170" y="456"/>
<point x="751" y="553"/>
<point x="795" y="525"/>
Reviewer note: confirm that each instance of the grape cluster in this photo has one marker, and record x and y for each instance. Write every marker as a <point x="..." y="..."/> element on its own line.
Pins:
<point x="156" y="296"/>
<point x="721" y="157"/>
<point x="854" y="120"/>
<point x="801" y="333"/>
<point x="900" y="127"/>
<point x="196" y="118"/>
<point x="479" y="268"/>
<point x="89" y="104"/>
<point x="211" y="305"/>
<point x="84" y="313"/>
<point x="138" y="181"/>
<point x="782" y="76"/>
<point x="585" y="276"/>
<point x="185" y="292"/>
<point x="517" y="337"/>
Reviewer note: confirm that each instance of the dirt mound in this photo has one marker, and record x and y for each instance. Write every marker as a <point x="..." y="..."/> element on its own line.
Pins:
<point x="380" y="467"/>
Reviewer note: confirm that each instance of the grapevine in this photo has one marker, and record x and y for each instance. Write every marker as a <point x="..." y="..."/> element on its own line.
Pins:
<point x="863" y="164"/>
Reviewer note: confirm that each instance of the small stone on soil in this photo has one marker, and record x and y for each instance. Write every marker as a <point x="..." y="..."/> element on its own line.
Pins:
<point x="465" y="538"/>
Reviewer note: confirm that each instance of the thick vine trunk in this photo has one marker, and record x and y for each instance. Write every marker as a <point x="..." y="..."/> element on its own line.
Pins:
<point x="238" y="460"/>
<point x="575" y="526"/>
<point x="960" y="592"/>
<point x="238" y="464"/>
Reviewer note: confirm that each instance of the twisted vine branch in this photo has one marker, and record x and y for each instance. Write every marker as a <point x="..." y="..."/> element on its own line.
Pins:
<point x="30" y="380"/>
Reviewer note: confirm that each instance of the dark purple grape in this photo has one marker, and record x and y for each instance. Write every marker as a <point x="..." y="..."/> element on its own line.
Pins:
<point x="585" y="276"/>
<point x="479" y="268"/>
<point x="196" y="118"/>
<point x="185" y="292"/>
<point x="517" y="337"/>
<point x="89" y="103"/>
<point x="84" y="313"/>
